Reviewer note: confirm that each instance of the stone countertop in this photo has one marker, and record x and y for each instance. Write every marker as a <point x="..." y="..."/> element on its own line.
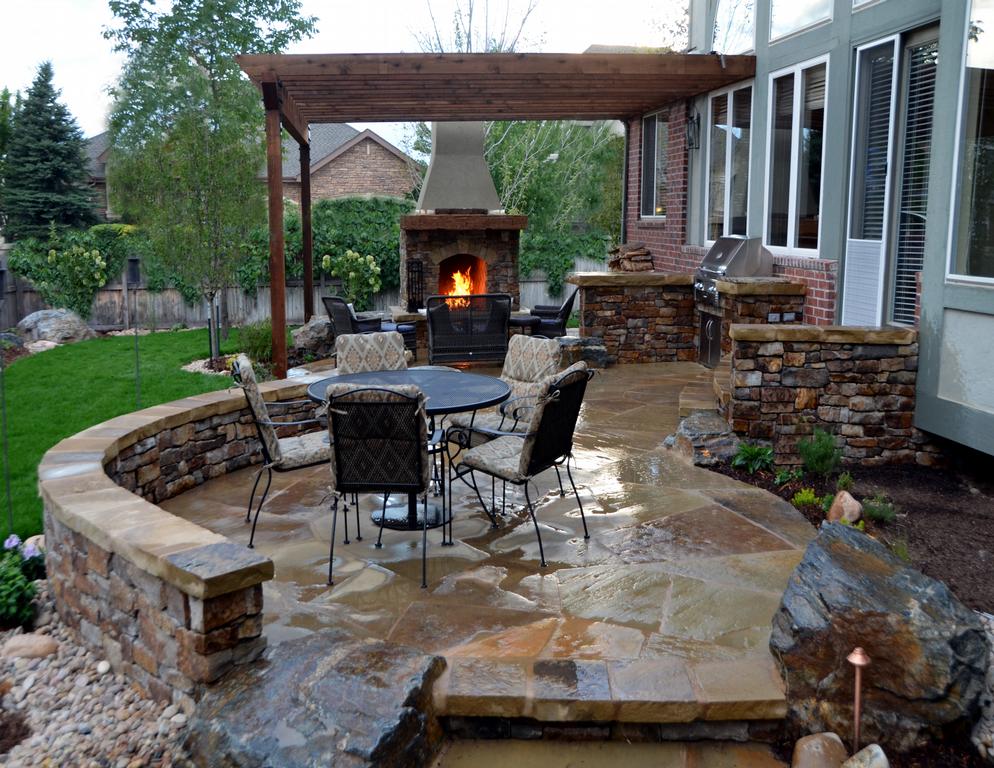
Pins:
<point x="759" y="286"/>
<point x="629" y="279"/>
<point x="829" y="334"/>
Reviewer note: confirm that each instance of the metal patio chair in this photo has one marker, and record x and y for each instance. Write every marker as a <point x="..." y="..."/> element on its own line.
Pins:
<point x="553" y="319"/>
<point x="344" y="321"/>
<point x="466" y="329"/>
<point x="378" y="438"/>
<point x="517" y="457"/>
<point x="279" y="454"/>
<point x="363" y="352"/>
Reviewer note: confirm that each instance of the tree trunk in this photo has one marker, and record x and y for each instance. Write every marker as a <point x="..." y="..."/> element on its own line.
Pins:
<point x="212" y="330"/>
<point x="225" y="317"/>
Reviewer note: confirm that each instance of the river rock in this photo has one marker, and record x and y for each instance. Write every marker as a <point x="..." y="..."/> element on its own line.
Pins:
<point x="844" y="507"/>
<point x="868" y="757"/>
<point x="326" y="699"/>
<point x="315" y="336"/>
<point x="10" y="340"/>
<point x="819" y="750"/>
<point x="928" y="651"/>
<point x="983" y="731"/>
<point x="29" y="646"/>
<point x="57" y="325"/>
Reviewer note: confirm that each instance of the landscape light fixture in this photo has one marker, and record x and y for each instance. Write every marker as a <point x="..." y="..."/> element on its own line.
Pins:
<point x="859" y="659"/>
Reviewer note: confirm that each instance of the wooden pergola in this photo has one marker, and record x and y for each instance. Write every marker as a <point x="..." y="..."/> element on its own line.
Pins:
<point x="332" y="88"/>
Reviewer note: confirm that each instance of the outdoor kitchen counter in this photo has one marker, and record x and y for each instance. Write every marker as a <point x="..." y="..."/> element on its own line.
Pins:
<point x="760" y="286"/>
<point x="630" y="279"/>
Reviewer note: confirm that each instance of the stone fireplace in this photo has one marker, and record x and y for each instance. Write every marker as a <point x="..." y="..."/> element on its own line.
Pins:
<point x="461" y="237"/>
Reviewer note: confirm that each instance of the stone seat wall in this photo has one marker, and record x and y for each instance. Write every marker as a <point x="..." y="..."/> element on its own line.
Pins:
<point x="172" y="605"/>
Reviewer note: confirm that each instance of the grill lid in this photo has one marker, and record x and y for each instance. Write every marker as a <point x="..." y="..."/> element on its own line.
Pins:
<point x="736" y="256"/>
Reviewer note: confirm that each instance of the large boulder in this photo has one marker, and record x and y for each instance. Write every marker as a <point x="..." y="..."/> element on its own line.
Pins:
<point x="315" y="337"/>
<point x="57" y="325"/>
<point x="326" y="700"/>
<point x="928" y="651"/>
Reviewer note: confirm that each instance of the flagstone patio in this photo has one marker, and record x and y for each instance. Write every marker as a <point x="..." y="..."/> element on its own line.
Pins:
<point x="662" y="616"/>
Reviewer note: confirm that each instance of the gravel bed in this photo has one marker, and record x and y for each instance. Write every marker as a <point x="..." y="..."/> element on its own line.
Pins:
<point x="82" y="714"/>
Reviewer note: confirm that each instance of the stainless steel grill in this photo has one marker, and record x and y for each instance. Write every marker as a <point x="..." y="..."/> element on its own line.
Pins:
<point x="731" y="256"/>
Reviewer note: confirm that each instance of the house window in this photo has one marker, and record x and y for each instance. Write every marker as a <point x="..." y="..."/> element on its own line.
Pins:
<point x="787" y="16"/>
<point x="655" y="142"/>
<point x="734" y="26"/>
<point x="729" y="129"/>
<point x="973" y="254"/>
<point x="797" y="129"/>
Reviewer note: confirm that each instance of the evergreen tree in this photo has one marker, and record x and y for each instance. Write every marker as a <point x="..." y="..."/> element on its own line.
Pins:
<point x="45" y="169"/>
<point x="6" y="117"/>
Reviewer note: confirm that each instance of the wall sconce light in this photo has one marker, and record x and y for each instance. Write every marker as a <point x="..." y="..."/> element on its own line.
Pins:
<point x="694" y="131"/>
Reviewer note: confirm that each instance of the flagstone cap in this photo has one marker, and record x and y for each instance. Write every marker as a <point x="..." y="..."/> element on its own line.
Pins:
<point x="826" y="334"/>
<point x="626" y="279"/>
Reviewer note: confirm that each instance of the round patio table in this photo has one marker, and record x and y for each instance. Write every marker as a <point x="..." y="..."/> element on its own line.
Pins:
<point x="447" y="390"/>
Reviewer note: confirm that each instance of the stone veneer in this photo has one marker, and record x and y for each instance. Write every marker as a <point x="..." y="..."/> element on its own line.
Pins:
<point x="752" y="300"/>
<point x="170" y="604"/>
<point x="855" y="383"/>
<point x="639" y="317"/>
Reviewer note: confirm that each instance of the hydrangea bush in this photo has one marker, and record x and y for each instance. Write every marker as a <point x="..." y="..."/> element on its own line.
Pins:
<point x="360" y="276"/>
<point x="20" y="565"/>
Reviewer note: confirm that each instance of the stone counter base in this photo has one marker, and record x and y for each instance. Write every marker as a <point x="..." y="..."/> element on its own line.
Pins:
<point x="855" y="383"/>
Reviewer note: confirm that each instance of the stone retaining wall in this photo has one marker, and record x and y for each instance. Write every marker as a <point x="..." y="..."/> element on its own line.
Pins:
<point x="855" y="383"/>
<point x="639" y="317"/>
<point x="168" y="603"/>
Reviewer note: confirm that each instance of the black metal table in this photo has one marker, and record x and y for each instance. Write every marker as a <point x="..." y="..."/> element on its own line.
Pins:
<point x="447" y="390"/>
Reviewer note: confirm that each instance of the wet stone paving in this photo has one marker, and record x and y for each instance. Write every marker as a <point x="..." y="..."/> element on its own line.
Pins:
<point x="662" y="616"/>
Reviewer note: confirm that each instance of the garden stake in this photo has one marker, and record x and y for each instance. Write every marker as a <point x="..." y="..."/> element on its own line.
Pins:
<point x="858" y="659"/>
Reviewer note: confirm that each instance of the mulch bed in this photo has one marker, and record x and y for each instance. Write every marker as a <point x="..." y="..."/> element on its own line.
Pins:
<point x="945" y="517"/>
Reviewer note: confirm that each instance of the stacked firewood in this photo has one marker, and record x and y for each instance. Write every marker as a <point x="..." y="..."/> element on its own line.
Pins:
<point x="630" y="257"/>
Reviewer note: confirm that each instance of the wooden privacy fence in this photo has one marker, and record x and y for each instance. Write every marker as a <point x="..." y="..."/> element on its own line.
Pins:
<point x="168" y="308"/>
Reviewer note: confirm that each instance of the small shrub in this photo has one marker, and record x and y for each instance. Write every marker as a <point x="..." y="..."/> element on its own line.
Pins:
<point x="256" y="341"/>
<point x="845" y="482"/>
<point x="360" y="276"/>
<point x="805" y="497"/>
<point x="879" y="509"/>
<point x="900" y="548"/>
<point x="826" y="501"/>
<point x="784" y="476"/>
<point x="820" y="453"/>
<point x="16" y="588"/>
<point x="859" y="525"/>
<point x="753" y="457"/>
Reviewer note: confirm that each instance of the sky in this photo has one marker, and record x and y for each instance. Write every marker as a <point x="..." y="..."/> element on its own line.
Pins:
<point x="69" y="33"/>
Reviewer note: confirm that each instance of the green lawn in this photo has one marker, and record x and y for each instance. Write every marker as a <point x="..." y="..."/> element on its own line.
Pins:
<point x="58" y="393"/>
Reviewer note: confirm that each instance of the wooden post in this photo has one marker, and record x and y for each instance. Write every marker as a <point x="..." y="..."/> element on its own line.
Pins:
<point x="307" y="235"/>
<point x="277" y="274"/>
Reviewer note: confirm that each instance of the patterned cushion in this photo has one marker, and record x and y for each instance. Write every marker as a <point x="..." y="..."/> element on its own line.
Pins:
<point x="389" y="453"/>
<point x="258" y="407"/>
<point x="358" y="353"/>
<point x="569" y="376"/>
<point x="500" y="457"/>
<point x="530" y="360"/>
<point x="304" y="450"/>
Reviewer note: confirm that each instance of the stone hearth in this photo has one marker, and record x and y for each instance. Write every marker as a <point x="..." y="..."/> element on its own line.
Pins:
<point x="433" y="238"/>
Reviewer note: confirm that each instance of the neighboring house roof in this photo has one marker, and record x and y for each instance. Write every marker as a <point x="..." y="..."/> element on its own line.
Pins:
<point x="328" y="141"/>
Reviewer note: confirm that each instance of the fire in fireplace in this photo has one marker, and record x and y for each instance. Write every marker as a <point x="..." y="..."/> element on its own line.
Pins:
<point x="462" y="275"/>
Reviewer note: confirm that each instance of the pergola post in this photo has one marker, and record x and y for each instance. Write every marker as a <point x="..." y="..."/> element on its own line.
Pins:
<point x="307" y="235"/>
<point x="277" y="274"/>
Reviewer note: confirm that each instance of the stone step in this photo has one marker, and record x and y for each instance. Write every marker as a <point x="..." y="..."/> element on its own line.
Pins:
<point x="697" y="396"/>
<point x="722" y="383"/>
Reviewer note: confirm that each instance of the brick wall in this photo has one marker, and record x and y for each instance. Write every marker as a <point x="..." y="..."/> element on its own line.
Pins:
<point x="857" y="384"/>
<point x="665" y="238"/>
<point x="819" y="275"/>
<point x="365" y="169"/>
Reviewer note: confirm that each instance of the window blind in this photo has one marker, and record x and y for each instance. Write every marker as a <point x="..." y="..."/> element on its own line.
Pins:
<point x="913" y="208"/>
<point x="871" y="184"/>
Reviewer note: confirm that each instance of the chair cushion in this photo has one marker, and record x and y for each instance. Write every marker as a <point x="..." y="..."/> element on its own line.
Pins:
<point x="257" y="405"/>
<point x="358" y="353"/>
<point x="528" y="363"/>
<point x="304" y="450"/>
<point x="500" y="457"/>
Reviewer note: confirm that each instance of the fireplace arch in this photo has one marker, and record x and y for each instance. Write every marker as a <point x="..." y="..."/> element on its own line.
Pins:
<point x="462" y="274"/>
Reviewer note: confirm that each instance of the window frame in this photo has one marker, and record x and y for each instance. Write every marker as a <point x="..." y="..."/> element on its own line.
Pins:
<point x="800" y="30"/>
<point x="797" y="70"/>
<point x="642" y="167"/>
<point x="959" y="148"/>
<point x="727" y="91"/>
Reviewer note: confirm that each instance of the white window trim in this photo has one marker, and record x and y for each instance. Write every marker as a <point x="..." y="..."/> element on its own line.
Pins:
<point x="885" y="243"/>
<point x="656" y="114"/>
<point x="826" y="20"/>
<point x="796" y="69"/>
<point x="951" y="276"/>
<point x="728" y="156"/>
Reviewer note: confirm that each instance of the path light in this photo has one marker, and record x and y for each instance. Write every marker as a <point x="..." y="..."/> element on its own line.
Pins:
<point x="859" y="659"/>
